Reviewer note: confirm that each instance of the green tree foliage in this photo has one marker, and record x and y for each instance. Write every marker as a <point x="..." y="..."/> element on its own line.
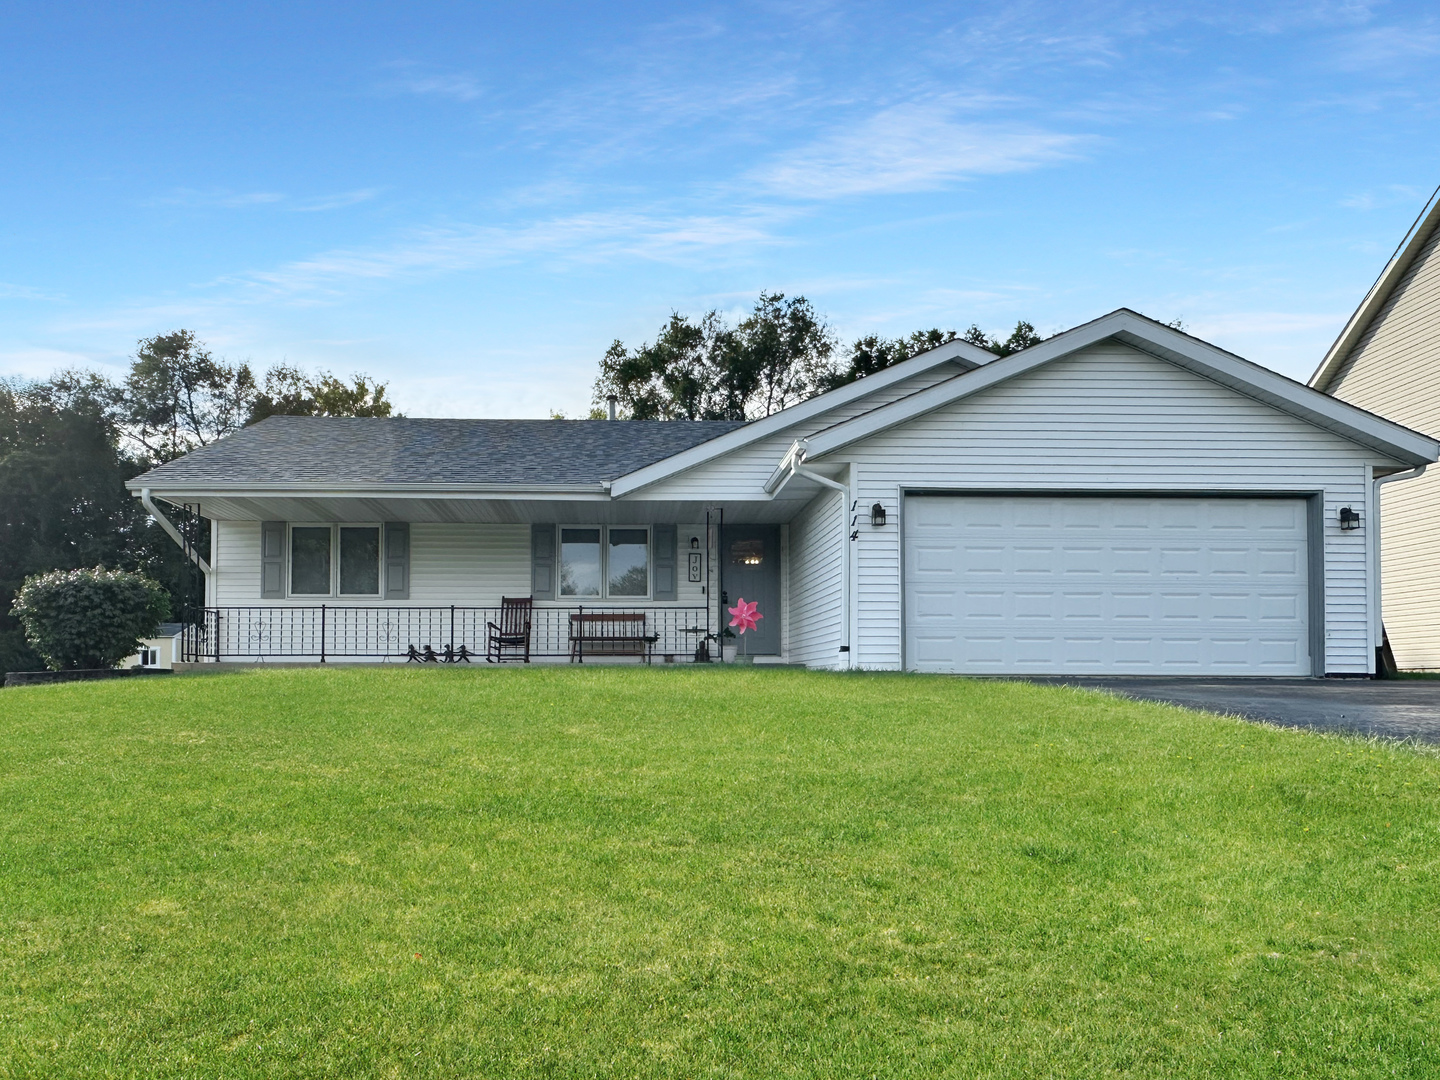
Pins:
<point x="779" y="354"/>
<point x="288" y="391"/>
<point x="708" y="370"/>
<point x="91" y="618"/>
<point x="69" y="444"/>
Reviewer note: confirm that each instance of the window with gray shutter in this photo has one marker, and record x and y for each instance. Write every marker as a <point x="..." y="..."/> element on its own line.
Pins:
<point x="542" y="562"/>
<point x="272" y="559"/>
<point x="662" y="537"/>
<point x="397" y="560"/>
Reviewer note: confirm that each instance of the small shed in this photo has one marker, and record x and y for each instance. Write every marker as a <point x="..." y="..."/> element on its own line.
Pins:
<point x="160" y="651"/>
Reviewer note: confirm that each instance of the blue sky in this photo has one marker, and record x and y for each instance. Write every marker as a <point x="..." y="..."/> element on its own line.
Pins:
<point x="471" y="201"/>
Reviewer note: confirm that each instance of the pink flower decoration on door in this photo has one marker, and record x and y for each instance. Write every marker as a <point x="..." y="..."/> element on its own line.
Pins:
<point x="745" y="616"/>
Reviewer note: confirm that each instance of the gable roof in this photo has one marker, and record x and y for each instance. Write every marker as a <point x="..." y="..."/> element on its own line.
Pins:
<point x="960" y="353"/>
<point x="1375" y="300"/>
<point x="326" y="452"/>
<point x="1162" y="341"/>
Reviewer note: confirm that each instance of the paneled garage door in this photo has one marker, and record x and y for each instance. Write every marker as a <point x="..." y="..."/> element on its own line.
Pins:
<point x="1131" y="585"/>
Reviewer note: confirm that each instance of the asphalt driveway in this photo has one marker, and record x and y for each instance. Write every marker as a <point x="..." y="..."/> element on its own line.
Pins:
<point x="1390" y="708"/>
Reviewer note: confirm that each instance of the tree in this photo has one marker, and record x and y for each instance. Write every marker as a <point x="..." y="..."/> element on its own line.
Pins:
<point x="178" y="397"/>
<point x="872" y="353"/>
<point x="1022" y="337"/>
<point x="288" y="391"/>
<point x="89" y="618"/>
<point x="777" y="355"/>
<point x="63" y="502"/>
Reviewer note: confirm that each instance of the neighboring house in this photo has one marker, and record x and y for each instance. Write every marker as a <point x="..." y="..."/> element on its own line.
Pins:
<point x="1387" y="360"/>
<point x="160" y="651"/>
<point x="1122" y="498"/>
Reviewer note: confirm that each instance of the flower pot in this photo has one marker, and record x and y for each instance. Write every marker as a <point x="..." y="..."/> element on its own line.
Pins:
<point x="728" y="651"/>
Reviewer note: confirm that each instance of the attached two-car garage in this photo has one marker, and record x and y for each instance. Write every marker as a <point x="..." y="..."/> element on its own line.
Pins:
<point x="1042" y="584"/>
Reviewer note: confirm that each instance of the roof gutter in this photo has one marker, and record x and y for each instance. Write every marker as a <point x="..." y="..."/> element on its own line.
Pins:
<point x="174" y="533"/>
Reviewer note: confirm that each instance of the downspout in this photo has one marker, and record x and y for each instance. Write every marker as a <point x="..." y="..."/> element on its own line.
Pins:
<point x="1377" y="630"/>
<point x="174" y="533"/>
<point x="809" y="474"/>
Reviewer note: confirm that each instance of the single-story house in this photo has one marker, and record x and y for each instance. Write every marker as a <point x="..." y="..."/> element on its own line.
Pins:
<point x="1387" y="359"/>
<point x="1122" y="498"/>
<point x="160" y="651"/>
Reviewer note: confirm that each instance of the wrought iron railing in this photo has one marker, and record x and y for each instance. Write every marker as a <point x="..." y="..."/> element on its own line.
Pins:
<point x="337" y="632"/>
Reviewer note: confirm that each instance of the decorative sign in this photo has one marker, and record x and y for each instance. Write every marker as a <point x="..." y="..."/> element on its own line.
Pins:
<point x="744" y="615"/>
<point x="695" y="566"/>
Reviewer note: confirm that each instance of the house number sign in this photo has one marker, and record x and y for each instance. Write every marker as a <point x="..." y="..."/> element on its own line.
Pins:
<point x="695" y="566"/>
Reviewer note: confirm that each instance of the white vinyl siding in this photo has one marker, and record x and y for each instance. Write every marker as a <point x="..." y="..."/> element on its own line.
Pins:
<point x="1111" y="418"/>
<point x="465" y="565"/>
<point x="1394" y="370"/>
<point x="816" y="609"/>
<point x="741" y="474"/>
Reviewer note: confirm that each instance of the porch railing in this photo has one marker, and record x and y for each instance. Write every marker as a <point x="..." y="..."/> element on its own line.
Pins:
<point x="336" y="632"/>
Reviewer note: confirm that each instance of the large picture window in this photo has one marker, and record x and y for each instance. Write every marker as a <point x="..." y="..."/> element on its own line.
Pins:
<point x="315" y="569"/>
<point x="605" y="562"/>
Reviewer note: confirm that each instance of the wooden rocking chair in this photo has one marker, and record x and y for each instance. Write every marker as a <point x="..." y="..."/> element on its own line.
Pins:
<point x="511" y="639"/>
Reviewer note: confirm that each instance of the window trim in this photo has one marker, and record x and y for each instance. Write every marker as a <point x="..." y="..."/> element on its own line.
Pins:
<point x="334" y="527"/>
<point x="605" y="564"/>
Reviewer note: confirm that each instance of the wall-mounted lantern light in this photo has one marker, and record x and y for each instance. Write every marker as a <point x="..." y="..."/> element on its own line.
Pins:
<point x="694" y="542"/>
<point x="1349" y="519"/>
<point x="877" y="516"/>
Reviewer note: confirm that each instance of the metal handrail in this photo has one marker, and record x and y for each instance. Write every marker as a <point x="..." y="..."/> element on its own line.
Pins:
<point x="327" y="632"/>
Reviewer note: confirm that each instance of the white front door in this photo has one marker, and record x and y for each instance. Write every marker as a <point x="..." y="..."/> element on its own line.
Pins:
<point x="1134" y="585"/>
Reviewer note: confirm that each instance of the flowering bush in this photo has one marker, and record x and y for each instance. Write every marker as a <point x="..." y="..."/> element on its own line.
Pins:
<point x="89" y="618"/>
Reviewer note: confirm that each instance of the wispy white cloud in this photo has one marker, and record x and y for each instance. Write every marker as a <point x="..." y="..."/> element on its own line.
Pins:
<point x="10" y="291"/>
<point x="217" y="198"/>
<point x="911" y="147"/>
<point x="1386" y="50"/>
<point x="39" y="363"/>
<point x="1390" y="195"/>
<point x="455" y="85"/>
<point x="334" y="202"/>
<point x="593" y="237"/>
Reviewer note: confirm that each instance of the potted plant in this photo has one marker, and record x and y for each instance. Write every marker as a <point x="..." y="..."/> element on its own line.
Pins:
<point x="728" y="645"/>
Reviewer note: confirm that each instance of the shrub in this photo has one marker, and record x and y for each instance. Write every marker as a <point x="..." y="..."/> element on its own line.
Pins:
<point x="89" y="618"/>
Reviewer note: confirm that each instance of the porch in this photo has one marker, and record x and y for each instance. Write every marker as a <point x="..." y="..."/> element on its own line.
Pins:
<point x="322" y="633"/>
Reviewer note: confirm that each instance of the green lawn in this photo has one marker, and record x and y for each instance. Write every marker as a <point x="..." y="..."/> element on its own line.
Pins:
<point x="625" y="872"/>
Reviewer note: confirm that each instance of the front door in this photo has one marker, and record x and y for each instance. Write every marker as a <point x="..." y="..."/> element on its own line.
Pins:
<point x="750" y="562"/>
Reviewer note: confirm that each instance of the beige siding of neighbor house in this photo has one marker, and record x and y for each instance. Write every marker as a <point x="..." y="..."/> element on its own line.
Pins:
<point x="1111" y="418"/>
<point x="1394" y="370"/>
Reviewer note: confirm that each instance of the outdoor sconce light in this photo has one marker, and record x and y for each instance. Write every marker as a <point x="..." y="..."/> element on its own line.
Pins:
<point x="877" y="516"/>
<point x="694" y="542"/>
<point x="1349" y="519"/>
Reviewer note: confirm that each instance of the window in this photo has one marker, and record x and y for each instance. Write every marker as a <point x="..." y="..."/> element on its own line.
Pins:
<point x="359" y="560"/>
<point x="310" y="560"/>
<point x="596" y="562"/>
<point x="628" y="563"/>
<point x="149" y="657"/>
<point x="331" y="560"/>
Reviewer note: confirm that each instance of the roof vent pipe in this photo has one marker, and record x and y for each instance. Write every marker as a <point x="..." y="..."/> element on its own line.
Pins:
<point x="613" y="401"/>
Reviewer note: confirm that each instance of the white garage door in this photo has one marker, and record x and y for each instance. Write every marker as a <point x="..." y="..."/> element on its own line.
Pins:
<point x="1142" y="586"/>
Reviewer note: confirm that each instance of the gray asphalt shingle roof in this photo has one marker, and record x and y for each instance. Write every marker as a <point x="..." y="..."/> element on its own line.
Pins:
<point x="318" y="450"/>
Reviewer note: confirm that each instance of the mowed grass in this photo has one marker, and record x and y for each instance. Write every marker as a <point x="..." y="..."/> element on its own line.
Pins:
<point x="691" y="873"/>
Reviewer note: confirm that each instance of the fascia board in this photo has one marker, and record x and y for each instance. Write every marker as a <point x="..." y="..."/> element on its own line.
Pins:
<point x="1178" y="348"/>
<point x="200" y="490"/>
<point x="961" y="352"/>
<point x="1378" y="295"/>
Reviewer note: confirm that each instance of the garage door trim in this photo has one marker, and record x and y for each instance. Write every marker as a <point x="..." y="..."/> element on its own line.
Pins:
<point x="1314" y="540"/>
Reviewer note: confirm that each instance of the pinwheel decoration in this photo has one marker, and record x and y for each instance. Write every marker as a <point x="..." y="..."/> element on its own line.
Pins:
<point x="744" y="615"/>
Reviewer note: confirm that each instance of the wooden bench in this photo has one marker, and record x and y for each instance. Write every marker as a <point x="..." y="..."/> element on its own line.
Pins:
<point x="599" y="633"/>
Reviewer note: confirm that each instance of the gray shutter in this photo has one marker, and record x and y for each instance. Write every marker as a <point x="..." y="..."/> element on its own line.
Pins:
<point x="272" y="560"/>
<point x="542" y="562"/>
<point x="397" y="560"/>
<point x="662" y="541"/>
